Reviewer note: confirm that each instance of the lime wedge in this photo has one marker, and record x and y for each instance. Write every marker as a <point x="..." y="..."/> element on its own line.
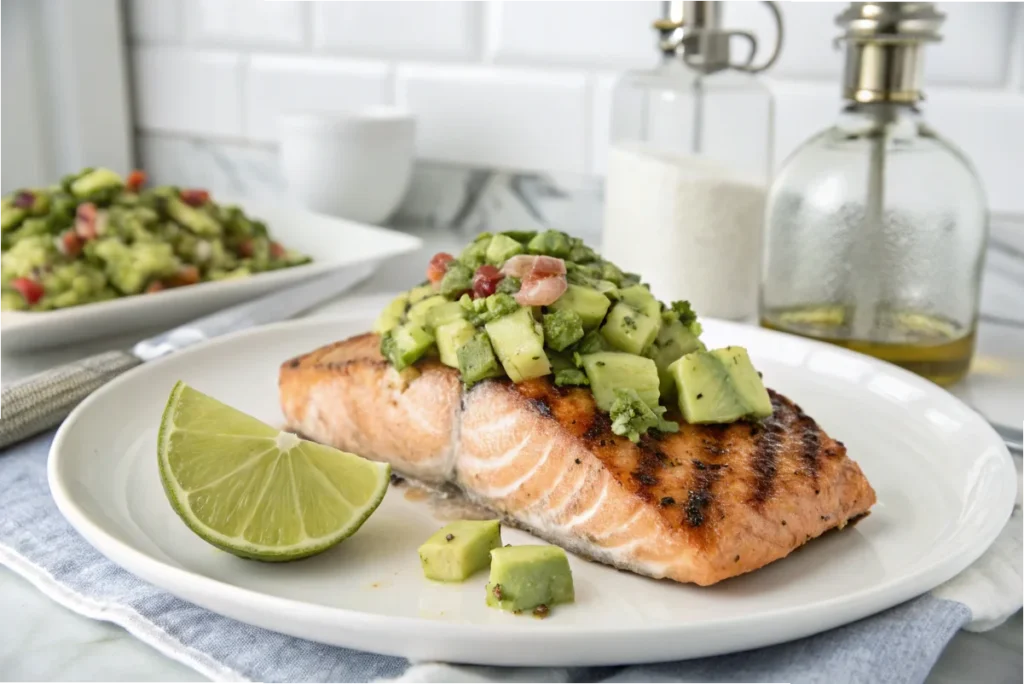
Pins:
<point x="256" y="491"/>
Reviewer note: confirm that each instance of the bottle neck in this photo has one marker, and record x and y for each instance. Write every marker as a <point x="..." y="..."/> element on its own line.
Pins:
<point x="883" y="71"/>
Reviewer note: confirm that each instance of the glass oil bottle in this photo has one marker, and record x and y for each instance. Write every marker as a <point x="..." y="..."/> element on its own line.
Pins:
<point x="876" y="227"/>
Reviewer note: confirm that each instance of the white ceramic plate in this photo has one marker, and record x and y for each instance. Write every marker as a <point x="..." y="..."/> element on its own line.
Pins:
<point x="331" y="242"/>
<point x="945" y="484"/>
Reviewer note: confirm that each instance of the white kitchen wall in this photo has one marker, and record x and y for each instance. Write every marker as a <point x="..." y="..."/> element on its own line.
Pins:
<point x="526" y="86"/>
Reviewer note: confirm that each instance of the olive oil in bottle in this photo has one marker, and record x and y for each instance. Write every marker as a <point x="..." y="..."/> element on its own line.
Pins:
<point x="875" y="228"/>
<point x="937" y="348"/>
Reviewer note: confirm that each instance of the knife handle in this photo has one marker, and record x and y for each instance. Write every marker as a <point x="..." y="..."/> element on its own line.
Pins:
<point x="42" y="401"/>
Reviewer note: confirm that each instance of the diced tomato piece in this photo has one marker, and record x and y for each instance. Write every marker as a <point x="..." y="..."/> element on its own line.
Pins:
<point x="24" y="199"/>
<point x="70" y="243"/>
<point x="85" y="221"/>
<point x="188" y="275"/>
<point x="438" y="267"/>
<point x="541" y="291"/>
<point x="485" y="281"/>
<point x="526" y="265"/>
<point x="195" y="197"/>
<point x="136" y="179"/>
<point x="29" y="289"/>
<point x="245" y="248"/>
<point x="154" y="286"/>
<point x="276" y="250"/>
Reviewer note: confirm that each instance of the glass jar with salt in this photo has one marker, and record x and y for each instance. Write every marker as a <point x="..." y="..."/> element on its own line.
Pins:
<point x="688" y="165"/>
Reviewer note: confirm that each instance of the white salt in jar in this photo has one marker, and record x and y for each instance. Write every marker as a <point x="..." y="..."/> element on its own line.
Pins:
<point x="690" y="226"/>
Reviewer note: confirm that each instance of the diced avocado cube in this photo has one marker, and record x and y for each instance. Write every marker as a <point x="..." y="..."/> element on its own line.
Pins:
<point x="444" y="313"/>
<point x="562" y="329"/>
<point x="593" y="342"/>
<point x="523" y="236"/>
<point x="421" y="292"/>
<point x="719" y="386"/>
<point x="392" y="314"/>
<point x="457" y="279"/>
<point x="475" y="254"/>
<point x="11" y="217"/>
<point x="641" y="299"/>
<point x="196" y="220"/>
<point x="404" y="345"/>
<point x="501" y="248"/>
<point x="518" y="341"/>
<point x="551" y="243"/>
<point x="419" y="311"/>
<point x="571" y="377"/>
<point x="628" y="329"/>
<point x="451" y="336"/>
<point x="95" y="181"/>
<point x="476" y="360"/>
<point x="590" y="304"/>
<point x="609" y="371"/>
<point x="526" y="577"/>
<point x="460" y="549"/>
<point x="673" y="341"/>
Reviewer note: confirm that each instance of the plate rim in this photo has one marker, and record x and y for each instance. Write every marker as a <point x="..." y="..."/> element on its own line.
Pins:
<point x="826" y="614"/>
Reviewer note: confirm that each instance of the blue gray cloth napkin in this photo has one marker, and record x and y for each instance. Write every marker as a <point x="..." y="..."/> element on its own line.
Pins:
<point x="899" y="645"/>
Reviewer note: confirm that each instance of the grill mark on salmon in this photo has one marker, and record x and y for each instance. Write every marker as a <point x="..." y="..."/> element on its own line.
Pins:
<point x="767" y="443"/>
<point x="701" y="505"/>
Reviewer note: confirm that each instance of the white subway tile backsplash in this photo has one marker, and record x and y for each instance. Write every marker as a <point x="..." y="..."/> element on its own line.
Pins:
<point x="408" y="29"/>
<point x="975" y="41"/>
<point x="154" y="21"/>
<point x="515" y="119"/>
<point x="188" y="91"/>
<point x="280" y="84"/>
<point x="605" y="33"/>
<point x="247" y="23"/>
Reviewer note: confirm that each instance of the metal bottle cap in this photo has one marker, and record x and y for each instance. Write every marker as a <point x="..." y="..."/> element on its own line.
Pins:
<point x="884" y="53"/>
<point x="693" y="31"/>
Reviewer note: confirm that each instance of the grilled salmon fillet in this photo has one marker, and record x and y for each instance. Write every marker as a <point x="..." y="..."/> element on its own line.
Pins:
<point x="702" y="505"/>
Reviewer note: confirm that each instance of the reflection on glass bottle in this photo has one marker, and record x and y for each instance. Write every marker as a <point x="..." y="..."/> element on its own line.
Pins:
<point x="876" y="228"/>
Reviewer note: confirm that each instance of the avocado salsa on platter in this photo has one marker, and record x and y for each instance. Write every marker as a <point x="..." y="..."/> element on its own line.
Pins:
<point x="525" y="305"/>
<point x="96" y="236"/>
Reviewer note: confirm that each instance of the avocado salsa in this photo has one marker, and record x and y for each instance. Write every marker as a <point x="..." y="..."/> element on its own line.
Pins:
<point x="96" y="236"/>
<point x="525" y="305"/>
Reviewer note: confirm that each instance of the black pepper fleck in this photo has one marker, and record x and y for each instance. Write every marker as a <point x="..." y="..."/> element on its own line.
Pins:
<point x="449" y="537"/>
<point x="541" y="611"/>
<point x="497" y="591"/>
<point x="736" y="559"/>
<point x="700" y="395"/>
<point x="578" y="461"/>
<point x="783" y="523"/>
<point x="817" y="491"/>
<point x="667" y="501"/>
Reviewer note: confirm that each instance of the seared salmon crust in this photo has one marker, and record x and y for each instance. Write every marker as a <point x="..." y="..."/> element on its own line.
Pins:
<point x="707" y="503"/>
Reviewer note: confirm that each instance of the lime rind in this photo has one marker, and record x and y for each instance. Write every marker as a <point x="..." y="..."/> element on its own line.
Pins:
<point x="238" y="544"/>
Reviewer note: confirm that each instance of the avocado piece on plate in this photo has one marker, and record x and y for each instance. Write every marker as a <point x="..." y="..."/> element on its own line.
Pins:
<point x="405" y="344"/>
<point x="445" y="313"/>
<point x="630" y="330"/>
<point x="196" y="220"/>
<point x="476" y="360"/>
<point x="450" y="336"/>
<point x="460" y="549"/>
<point x="518" y="341"/>
<point x="719" y="386"/>
<point x="588" y="303"/>
<point x="529" y="578"/>
<point x="562" y="329"/>
<point x="95" y="181"/>
<point x="419" y="311"/>
<point x="501" y="248"/>
<point x="673" y="341"/>
<point x="609" y="371"/>
<point x="392" y="314"/>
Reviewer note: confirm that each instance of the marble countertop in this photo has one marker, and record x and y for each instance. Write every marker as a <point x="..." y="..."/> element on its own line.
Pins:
<point x="40" y="640"/>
